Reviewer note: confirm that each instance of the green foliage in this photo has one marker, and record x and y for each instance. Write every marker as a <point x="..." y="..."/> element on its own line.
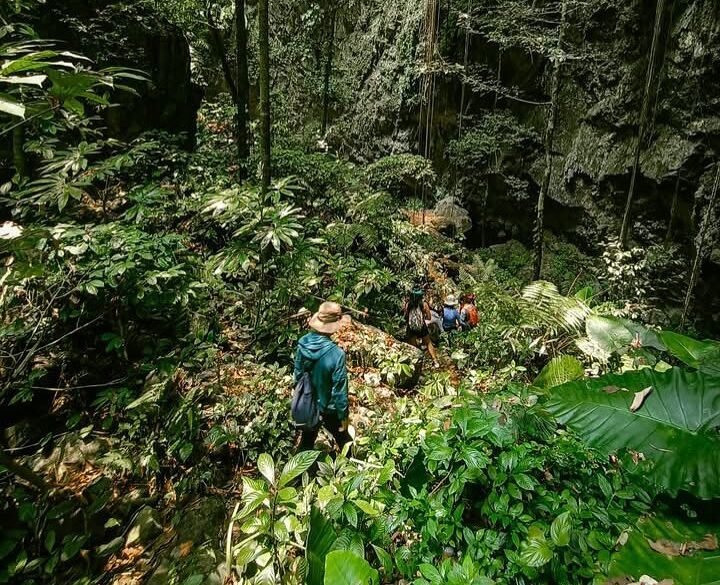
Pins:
<point x="561" y="369"/>
<point x="345" y="568"/>
<point x="273" y="521"/>
<point x="401" y="174"/>
<point x="672" y="428"/>
<point x="502" y="499"/>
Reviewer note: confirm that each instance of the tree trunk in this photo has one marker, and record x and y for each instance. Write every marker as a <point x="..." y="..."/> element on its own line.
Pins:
<point x="538" y="239"/>
<point x="218" y="45"/>
<point x="650" y="75"/>
<point x="328" y="72"/>
<point x="264" y="75"/>
<point x="699" y="247"/>
<point x="19" y="151"/>
<point x="243" y="87"/>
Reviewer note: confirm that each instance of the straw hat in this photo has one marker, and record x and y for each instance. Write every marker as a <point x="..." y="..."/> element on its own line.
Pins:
<point x="329" y="319"/>
<point x="451" y="301"/>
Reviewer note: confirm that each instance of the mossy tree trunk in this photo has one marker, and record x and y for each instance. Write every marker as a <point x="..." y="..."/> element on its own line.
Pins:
<point x="264" y="78"/>
<point x="700" y="246"/>
<point x="642" y="126"/>
<point x="217" y="43"/>
<point x="538" y="236"/>
<point x="327" y="74"/>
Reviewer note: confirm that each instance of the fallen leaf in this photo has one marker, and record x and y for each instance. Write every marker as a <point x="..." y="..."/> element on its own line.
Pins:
<point x="666" y="547"/>
<point x="639" y="399"/>
<point x="637" y="456"/>
<point x="710" y="542"/>
<point x="676" y="549"/>
<point x="622" y="539"/>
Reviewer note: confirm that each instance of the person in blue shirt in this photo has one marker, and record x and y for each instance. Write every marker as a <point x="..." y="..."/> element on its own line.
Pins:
<point x="451" y="314"/>
<point x="318" y="354"/>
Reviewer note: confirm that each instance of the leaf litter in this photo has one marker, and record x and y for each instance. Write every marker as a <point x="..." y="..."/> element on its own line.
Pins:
<point x="677" y="549"/>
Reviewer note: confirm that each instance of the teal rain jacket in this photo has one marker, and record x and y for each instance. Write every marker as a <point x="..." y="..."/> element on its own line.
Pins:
<point x="325" y="361"/>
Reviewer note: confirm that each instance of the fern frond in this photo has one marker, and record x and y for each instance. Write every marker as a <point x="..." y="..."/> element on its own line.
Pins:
<point x="544" y="306"/>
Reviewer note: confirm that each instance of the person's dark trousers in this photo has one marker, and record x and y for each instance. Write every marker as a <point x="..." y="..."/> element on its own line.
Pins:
<point x="331" y="422"/>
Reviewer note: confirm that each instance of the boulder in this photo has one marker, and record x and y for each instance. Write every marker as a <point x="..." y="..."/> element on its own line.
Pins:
<point x="399" y="363"/>
<point x="146" y="526"/>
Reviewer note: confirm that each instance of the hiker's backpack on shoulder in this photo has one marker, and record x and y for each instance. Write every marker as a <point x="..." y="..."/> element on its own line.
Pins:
<point x="473" y="317"/>
<point x="416" y="320"/>
<point x="304" y="408"/>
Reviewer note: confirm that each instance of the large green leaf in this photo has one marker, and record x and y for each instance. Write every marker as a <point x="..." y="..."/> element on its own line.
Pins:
<point x="12" y="107"/>
<point x="637" y="558"/>
<point x="560" y="369"/>
<point x="320" y="540"/>
<point x="703" y="355"/>
<point x="676" y="428"/>
<point x="614" y="335"/>
<point x="345" y="568"/>
<point x="298" y="465"/>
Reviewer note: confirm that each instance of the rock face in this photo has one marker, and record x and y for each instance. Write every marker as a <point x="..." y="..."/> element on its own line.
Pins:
<point x="131" y="36"/>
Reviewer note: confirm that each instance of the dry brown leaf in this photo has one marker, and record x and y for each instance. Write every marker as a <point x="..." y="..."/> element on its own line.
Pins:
<point x="640" y="398"/>
<point x="637" y="456"/>
<point x="666" y="547"/>
<point x="710" y="542"/>
<point x="676" y="549"/>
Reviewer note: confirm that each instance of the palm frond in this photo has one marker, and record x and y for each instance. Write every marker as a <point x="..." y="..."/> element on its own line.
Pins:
<point x="544" y="306"/>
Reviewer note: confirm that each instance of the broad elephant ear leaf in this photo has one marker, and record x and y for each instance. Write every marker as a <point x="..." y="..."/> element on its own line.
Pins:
<point x="702" y="355"/>
<point x="637" y="557"/>
<point x="320" y="541"/>
<point x="613" y="334"/>
<point x="676" y="428"/>
<point x="343" y="567"/>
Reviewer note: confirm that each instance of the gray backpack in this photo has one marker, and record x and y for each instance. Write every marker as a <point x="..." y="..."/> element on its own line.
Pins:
<point x="304" y="408"/>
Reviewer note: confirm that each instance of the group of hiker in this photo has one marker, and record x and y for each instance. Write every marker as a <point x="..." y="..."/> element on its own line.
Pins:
<point x="320" y="398"/>
<point x="425" y="324"/>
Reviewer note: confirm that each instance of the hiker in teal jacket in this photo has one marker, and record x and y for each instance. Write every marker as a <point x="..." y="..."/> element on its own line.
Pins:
<point x="319" y="355"/>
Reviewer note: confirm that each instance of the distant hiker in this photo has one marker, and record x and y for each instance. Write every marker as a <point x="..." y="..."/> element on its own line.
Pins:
<point x="451" y="314"/>
<point x="469" y="317"/>
<point x="435" y="326"/>
<point x="418" y="317"/>
<point x="324" y="362"/>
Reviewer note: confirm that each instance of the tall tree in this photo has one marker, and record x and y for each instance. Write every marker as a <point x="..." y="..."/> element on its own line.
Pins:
<point x="327" y="73"/>
<point x="642" y="126"/>
<point x="264" y="79"/>
<point x="538" y="236"/>
<point x="243" y="85"/>
<point x="700" y="245"/>
<point x="217" y="44"/>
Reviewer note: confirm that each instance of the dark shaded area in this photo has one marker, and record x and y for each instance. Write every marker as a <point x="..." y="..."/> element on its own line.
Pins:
<point x="116" y="34"/>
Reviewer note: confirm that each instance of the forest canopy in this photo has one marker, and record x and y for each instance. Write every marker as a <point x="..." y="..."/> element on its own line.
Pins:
<point x="475" y="244"/>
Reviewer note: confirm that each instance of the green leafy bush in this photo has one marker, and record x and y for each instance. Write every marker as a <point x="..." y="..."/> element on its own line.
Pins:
<point x="401" y="174"/>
